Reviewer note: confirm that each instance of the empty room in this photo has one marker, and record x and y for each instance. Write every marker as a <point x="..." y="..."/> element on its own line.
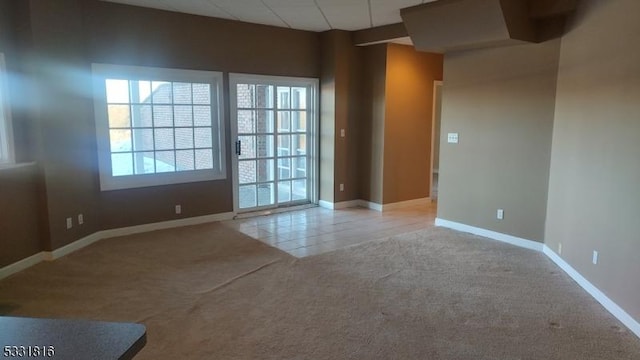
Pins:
<point x="320" y="179"/>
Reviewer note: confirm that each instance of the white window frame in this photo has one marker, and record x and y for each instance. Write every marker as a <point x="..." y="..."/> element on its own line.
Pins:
<point x="101" y="72"/>
<point x="7" y="155"/>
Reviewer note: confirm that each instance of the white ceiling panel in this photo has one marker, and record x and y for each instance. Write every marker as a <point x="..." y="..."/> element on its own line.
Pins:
<point x="312" y="15"/>
<point x="386" y="12"/>
<point x="346" y="15"/>
<point x="299" y="14"/>
<point x="253" y="11"/>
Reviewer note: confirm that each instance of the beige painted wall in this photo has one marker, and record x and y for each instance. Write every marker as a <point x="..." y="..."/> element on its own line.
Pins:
<point x="407" y="124"/>
<point x="501" y="103"/>
<point x="594" y="195"/>
<point x="371" y="131"/>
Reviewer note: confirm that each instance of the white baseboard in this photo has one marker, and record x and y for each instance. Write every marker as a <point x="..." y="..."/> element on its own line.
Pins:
<point x="370" y="205"/>
<point x="513" y="240"/>
<point x="137" y="229"/>
<point x="326" y="204"/>
<point x="105" y="234"/>
<point x="346" y="204"/>
<point x="21" y="265"/>
<point x="404" y="204"/>
<point x="603" y="299"/>
<point x="608" y="304"/>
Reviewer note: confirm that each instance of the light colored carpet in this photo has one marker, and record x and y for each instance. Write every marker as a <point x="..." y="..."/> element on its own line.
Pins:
<point x="209" y="292"/>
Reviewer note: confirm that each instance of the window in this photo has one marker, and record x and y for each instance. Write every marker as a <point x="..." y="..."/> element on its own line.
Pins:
<point x="6" y="131"/>
<point x="158" y="126"/>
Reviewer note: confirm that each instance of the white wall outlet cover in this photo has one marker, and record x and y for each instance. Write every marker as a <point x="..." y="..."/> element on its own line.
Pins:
<point x="595" y="258"/>
<point x="500" y="214"/>
<point x="80" y="219"/>
<point x="178" y="209"/>
<point x="342" y="133"/>
<point x="452" y="138"/>
<point x="69" y="223"/>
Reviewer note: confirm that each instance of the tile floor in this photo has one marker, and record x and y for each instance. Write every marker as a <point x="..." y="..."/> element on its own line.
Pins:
<point x="317" y="230"/>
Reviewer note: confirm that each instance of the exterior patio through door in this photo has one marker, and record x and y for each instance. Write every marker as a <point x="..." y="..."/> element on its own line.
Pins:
<point x="274" y="131"/>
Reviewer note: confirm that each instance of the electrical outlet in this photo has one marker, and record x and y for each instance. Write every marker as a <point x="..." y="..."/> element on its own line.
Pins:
<point x="595" y="257"/>
<point x="80" y="219"/>
<point x="342" y="133"/>
<point x="69" y="223"/>
<point x="452" y="138"/>
<point x="341" y="187"/>
<point x="178" y="209"/>
<point x="500" y="214"/>
<point x="560" y="249"/>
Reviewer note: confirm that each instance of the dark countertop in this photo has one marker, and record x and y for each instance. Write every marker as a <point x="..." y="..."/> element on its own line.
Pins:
<point x="73" y="339"/>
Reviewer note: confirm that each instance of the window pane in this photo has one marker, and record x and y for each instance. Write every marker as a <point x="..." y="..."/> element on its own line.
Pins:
<point x="121" y="164"/>
<point x="165" y="161"/>
<point x="264" y="96"/>
<point x="299" y="167"/>
<point x="120" y="140"/>
<point x="265" y="170"/>
<point x="265" y="145"/>
<point x="266" y="194"/>
<point x="184" y="138"/>
<point x="204" y="159"/>
<point x="247" y="147"/>
<point x="163" y="139"/>
<point x="284" y="191"/>
<point x="185" y="160"/>
<point x="284" y="168"/>
<point x="117" y="91"/>
<point x="142" y="139"/>
<point x="247" y="196"/>
<point x="299" y="144"/>
<point x="299" y="191"/>
<point x="181" y="93"/>
<point x="245" y="95"/>
<point x="119" y="116"/>
<point x="283" y="98"/>
<point x="161" y="92"/>
<point x="202" y="115"/>
<point x="284" y="121"/>
<point x="203" y="137"/>
<point x="202" y="94"/>
<point x="162" y="116"/>
<point x="246" y="121"/>
<point x="284" y="145"/>
<point x="298" y="98"/>
<point x="299" y="121"/>
<point x="183" y="115"/>
<point x="264" y="121"/>
<point x="144" y="163"/>
<point x="141" y="92"/>
<point x="142" y="116"/>
<point x="247" y="171"/>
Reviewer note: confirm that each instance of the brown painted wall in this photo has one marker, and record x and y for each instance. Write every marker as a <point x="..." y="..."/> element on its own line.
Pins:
<point x="19" y="213"/>
<point x="594" y="200"/>
<point x="408" y="118"/>
<point x="371" y="130"/>
<point x="66" y="36"/>
<point x="501" y="103"/>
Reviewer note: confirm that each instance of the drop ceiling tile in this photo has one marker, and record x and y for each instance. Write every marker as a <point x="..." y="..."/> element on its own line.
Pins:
<point x="253" y="11"/>
<point x="346" y="14"/>
<point x="154" y="4"/>
<point x="201" y="7"/>
<point x="299" y="14"/>
<point x="386" y="12"/>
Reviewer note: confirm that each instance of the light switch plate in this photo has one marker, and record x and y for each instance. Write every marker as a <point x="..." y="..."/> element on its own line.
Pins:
<point x="452" y="138"/>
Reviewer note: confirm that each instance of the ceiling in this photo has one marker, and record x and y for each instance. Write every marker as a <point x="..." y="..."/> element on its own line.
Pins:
<point x="312" y="15"/>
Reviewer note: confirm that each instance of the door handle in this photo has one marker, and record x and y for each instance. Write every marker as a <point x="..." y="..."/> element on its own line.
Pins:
<point x="238" y="147"/>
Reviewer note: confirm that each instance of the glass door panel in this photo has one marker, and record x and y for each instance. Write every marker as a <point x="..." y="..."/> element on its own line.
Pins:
<point x="272" y="149"/>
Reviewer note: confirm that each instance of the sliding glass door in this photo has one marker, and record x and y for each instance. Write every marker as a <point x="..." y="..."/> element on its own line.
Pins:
<point x="273" y="126"/>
